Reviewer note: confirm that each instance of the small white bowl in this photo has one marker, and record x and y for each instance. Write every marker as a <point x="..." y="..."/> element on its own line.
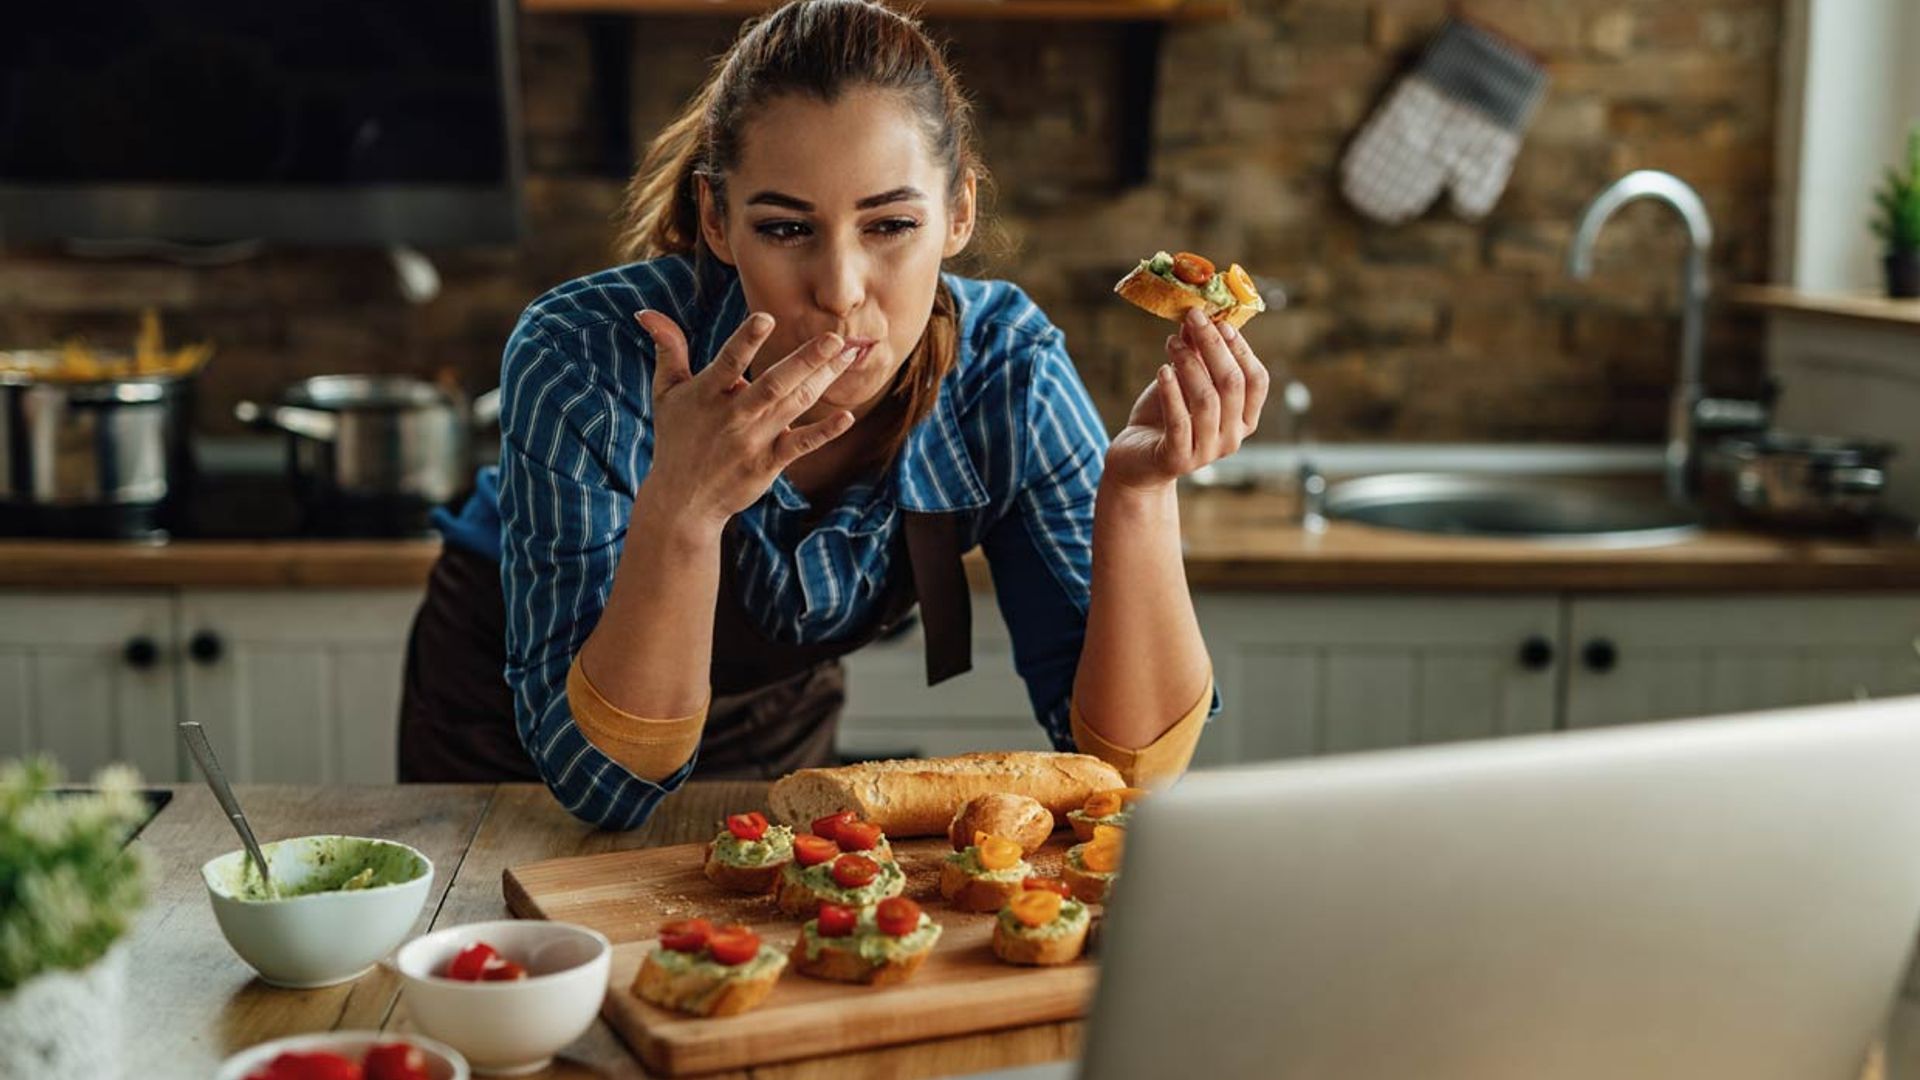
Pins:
<point x="319" y="938"/>
<point x="443" y="1061"/>
<point x="508" y="1028"/>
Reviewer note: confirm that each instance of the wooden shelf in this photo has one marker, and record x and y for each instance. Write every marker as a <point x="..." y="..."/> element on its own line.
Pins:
<point x="1856" y="307"/>
<point x="1060" y="10"/>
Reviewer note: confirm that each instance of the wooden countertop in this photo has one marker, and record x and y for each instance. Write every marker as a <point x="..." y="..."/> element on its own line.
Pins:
<point x="194" y="1001"/>
<point x="1856" y="307"/>
<point x="1234" y="540"/>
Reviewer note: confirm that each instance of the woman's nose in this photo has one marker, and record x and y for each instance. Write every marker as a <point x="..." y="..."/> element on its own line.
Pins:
<point x="842" y="281"/>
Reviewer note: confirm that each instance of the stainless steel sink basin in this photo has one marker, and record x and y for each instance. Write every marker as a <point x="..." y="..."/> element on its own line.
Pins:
<point x="1583" y="510"/>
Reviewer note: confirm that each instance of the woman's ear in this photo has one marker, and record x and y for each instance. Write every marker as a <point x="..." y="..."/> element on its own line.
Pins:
<point x="713" y="226"/>
<point x="960" y="223"/>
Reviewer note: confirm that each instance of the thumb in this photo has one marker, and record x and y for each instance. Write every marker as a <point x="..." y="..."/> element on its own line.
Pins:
<point x="670" y="364"/>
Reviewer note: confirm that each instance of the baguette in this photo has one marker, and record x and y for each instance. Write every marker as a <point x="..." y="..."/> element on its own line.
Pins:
<point x="1145" y="289"/>
<point x="915" y="797"/>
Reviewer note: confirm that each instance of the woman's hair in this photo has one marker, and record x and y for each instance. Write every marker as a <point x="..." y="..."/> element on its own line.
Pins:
<point x="821" y="49"/>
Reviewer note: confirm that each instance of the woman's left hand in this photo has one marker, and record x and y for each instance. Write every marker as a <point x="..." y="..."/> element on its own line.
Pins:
<point x="1203" y="402"/>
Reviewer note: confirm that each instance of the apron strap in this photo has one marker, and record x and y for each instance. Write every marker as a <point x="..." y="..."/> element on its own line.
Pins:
<point x="940" y="579"/>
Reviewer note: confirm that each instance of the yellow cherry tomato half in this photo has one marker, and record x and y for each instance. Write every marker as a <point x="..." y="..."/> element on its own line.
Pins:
<point x="999" y="853"/>
<point x="1036" y="907"/>
<point x="1240" y="284"/>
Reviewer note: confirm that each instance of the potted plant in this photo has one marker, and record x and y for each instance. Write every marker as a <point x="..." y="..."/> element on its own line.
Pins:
<point x="1898" y="223"/>
<point x="69" y="887"/>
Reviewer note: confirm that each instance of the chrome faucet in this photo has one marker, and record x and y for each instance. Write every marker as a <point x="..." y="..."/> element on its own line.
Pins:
<point x="1689" y="398"/>
<point x="1310" y="484"/>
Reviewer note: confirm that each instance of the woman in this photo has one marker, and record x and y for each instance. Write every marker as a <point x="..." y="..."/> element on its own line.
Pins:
<point x="727" y="465"/>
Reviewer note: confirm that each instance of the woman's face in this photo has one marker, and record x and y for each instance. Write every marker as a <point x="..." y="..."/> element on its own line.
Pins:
<point x="837" y="219"/>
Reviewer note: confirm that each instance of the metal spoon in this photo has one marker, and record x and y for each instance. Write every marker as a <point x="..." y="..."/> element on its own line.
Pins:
<point x="196" y="740"/>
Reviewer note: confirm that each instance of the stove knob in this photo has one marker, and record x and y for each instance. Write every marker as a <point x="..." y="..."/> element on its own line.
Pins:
<point x="205" y="647"/>
<point x="141" y="653"/>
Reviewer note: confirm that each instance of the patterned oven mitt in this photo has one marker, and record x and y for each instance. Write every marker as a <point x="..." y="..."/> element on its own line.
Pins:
<point x="1454" y="121"/>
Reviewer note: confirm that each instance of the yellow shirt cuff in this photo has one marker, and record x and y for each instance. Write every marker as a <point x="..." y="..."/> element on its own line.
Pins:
<point x="648" y="748"/>
<point x="1161" y="761"/>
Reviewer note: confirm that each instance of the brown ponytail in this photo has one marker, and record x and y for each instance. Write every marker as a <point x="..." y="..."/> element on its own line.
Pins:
<point x="820" y="48"/>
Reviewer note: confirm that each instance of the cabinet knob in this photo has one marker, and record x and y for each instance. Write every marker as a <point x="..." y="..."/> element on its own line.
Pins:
<point x="205" y="647"/>
<point x="1536" y="653"/>
<point x="141" y="652"/>
<point x="1600" y="655"/>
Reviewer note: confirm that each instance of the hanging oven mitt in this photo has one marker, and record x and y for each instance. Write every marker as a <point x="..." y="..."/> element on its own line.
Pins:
<point x="1454" y="121"/>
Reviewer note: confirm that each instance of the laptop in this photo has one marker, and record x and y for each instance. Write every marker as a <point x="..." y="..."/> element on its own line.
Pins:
<point x="1730" y="897"/>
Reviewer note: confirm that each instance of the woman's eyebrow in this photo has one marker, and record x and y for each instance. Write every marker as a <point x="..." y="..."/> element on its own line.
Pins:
<point x="776" y="198"/>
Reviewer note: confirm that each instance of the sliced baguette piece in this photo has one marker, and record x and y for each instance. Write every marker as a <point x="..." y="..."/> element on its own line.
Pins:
<point x="968" y="892"/>
<point x="702" y="993"/>
<point x="919" y="797"/>
<point x="797" y="898"/>
<point x="1017" y="948"/>
<point x="743" y="879"/>
<point x="1089" y="886"/>
<point x="1145" y="289"/>
<point x="845" y="965"/>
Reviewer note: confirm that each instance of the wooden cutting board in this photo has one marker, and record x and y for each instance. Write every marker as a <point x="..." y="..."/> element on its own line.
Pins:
<point x="960" y="989"/>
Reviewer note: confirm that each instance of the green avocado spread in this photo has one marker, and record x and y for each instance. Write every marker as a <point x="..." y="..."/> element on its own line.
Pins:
<point x="1118" y="818"/>
<point x="324" y="864"/>
<point x="1073" y="915"/>
<point x="891" y="881"/>
<point x="775" y="846"/>
<point x="680" y="963"/>
<point x="867" y="939"/>
<point x="969" y="860"/>
<point x="1214" y="292"/>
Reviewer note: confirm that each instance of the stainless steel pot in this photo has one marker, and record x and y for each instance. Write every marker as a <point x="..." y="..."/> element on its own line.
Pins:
<point x="1806" y="481"/>
<point x="99" y="457"/>
<point x="374" y="438"/>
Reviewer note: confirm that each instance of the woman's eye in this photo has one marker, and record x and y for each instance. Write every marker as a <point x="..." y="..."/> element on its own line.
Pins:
<point x="789" y="232"/>
<point x="782" y="231"/>
<point x="896" y="226"/>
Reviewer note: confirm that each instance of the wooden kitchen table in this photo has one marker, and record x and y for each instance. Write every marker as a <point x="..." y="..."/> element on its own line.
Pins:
<point x="191" y="1001"/>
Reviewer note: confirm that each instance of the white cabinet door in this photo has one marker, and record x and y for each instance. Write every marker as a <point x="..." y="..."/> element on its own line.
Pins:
<point x="1304" y="674"/>
<point x="89" y="678"/>
<point x="298" y="685"/>
<point x="891" y="711"/>
<point x="1664" y="658"/>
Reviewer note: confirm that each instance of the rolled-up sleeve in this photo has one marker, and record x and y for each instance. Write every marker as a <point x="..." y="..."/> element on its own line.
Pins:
<point x="571" y="455"/>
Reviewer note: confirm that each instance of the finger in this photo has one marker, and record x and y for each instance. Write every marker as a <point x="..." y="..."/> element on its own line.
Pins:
<point x="1259" y="380"/>
<point x="1178" y="422"/>
<point x="1202" y="400"/>
<point x="796" y="443"/>
<point x="731" y="362"/>
<point x="783" y="378"/>
<point x="670" y="365"/>
<point x="789" y="408"/>
<point x="1229" y="381"/>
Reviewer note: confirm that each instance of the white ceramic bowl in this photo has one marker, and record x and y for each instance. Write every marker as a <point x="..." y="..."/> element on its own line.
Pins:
<point x="443" y="1061"/>
<point x="326" y="937"/>
<point x="507" y="1028"/>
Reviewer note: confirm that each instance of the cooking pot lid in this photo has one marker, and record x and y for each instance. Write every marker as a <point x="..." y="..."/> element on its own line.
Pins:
<point x="1818" y="449"/>
<point x="366" y="392"/>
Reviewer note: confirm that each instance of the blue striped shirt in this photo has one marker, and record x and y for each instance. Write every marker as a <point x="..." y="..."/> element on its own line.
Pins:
<point x="1014" y="445"/>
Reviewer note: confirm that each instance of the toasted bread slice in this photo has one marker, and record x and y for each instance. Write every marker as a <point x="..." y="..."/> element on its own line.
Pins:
<point x="797" y="898"/>
<point x="846" y="965"/>
<point x="1089" y="887"/>
<point x="1016" y="948"/>
<point x="1083" y="825"/>
<point x="969" y="892"/>
<point x="745" y="879"/>
<point x="1146" y="289"/>
<point x="703" y="993"/>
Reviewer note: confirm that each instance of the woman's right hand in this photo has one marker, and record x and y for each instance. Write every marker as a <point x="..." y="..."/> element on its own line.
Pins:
<point x="719" y="441"/>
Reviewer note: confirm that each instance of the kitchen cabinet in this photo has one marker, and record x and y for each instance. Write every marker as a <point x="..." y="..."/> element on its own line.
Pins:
<point x="1660" y="658"/>
<point x="293" y="685"/>
<point x="298" y="687"/>
<point x="89" y="678"/>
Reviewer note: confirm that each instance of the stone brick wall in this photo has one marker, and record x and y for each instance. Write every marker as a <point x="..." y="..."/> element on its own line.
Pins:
<point x="1442" y="329"/>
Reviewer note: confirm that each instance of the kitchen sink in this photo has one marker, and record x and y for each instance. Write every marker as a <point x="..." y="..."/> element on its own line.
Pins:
<point x="1586" y="510"/>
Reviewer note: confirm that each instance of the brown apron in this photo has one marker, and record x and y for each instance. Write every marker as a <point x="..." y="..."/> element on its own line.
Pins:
<point x="775" y="706"/>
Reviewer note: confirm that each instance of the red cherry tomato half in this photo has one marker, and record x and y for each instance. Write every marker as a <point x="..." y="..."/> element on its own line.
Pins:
<point x="1045" y="884"/>
<point x="472" y="962"/>
<point x="504" y="971"/>
<point x="829" y="826"/>
<point x="395" y="1061"/>
<point x="748" y="826"/>
<point x="685" y="935"/>
<point x="310" y="1065"/>
<point x="853" y="871"/>
<point x="734" y="945"/>
<point x="837" y="920"/>
<point x="897" y="915"/>
<point x="859" y="835"/>
<point x="813" y="850"/>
